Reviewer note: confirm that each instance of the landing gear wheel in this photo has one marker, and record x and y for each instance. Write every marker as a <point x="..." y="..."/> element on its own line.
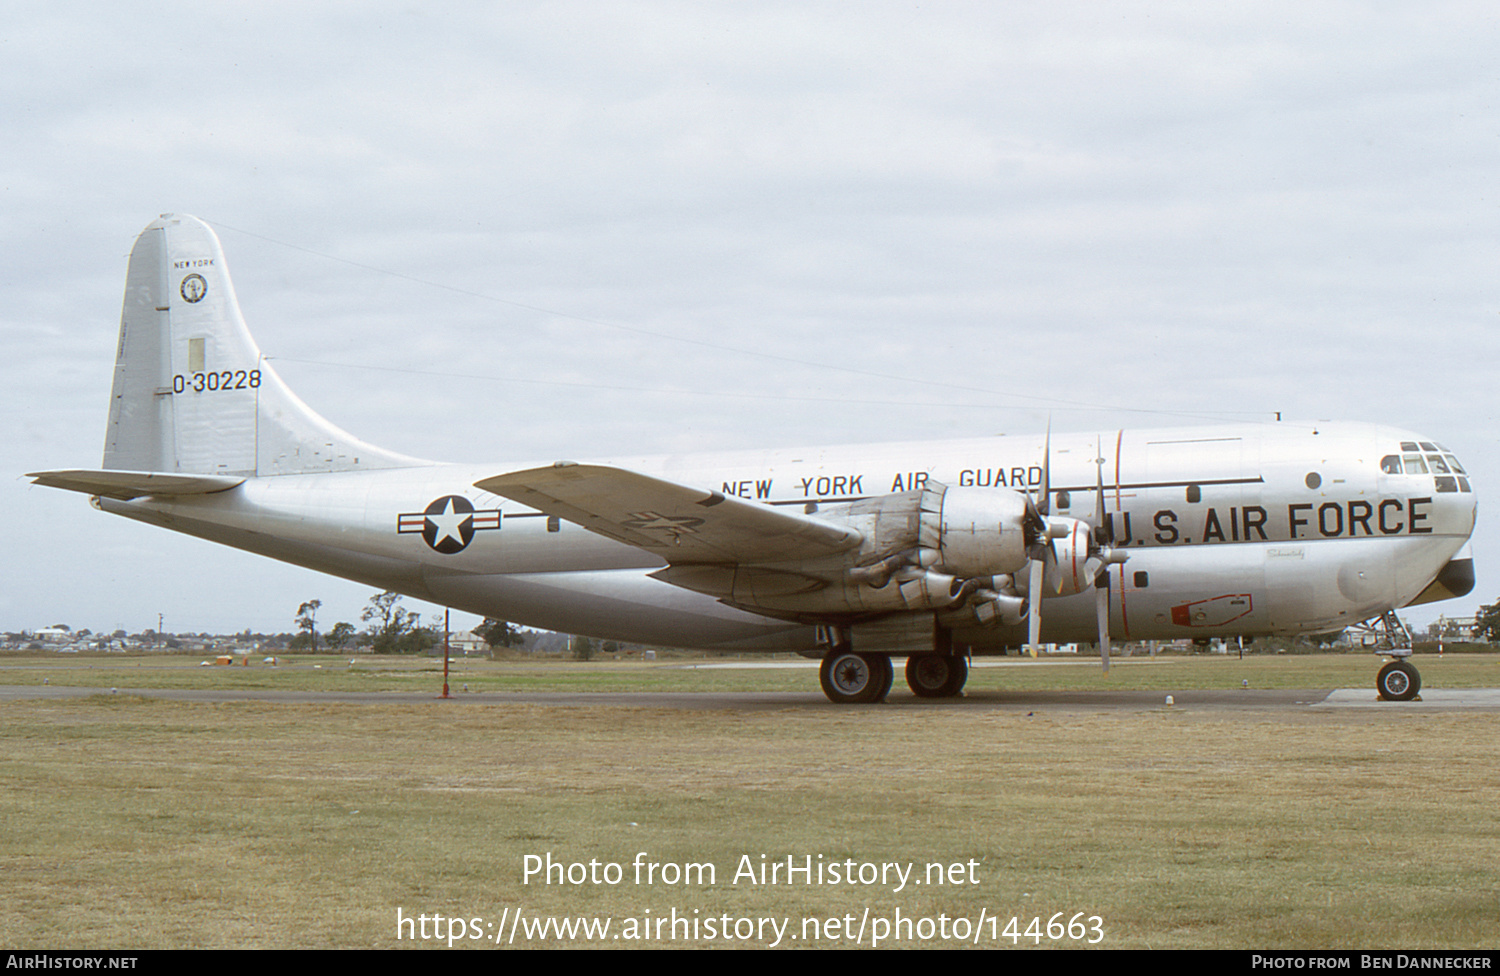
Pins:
<point x="936" y="675"/>
<point x="1398" y="681"/>
<point x="855" y="679"/>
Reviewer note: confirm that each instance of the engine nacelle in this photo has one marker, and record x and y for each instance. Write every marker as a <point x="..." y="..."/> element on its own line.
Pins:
<point x="982" y="532"/>
<point x="959" y="552"/>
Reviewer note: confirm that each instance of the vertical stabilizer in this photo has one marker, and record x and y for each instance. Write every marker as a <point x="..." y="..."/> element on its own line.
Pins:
<point x="192" y="392"/>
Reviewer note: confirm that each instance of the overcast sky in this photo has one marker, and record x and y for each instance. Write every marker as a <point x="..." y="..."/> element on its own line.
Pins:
<point x="523" y="231"/>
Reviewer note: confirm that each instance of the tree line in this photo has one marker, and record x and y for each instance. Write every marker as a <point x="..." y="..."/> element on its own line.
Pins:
<point x="389" y="629"/>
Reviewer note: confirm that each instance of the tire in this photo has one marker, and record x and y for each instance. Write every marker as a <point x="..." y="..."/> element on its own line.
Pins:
<point x="936" y="675"/>
<point x="1398" y="681"/>
<point x="887" y="675"/>
<point x="855" y="679"/>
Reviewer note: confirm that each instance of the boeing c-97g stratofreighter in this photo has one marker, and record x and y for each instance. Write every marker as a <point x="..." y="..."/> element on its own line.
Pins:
<point x="929" y="551"/>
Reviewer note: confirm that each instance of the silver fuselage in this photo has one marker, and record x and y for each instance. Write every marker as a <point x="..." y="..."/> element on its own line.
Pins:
<point x="1245" y="530"/>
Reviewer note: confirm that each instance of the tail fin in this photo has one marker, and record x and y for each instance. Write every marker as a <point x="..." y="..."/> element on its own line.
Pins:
<point x="192" y="392"/>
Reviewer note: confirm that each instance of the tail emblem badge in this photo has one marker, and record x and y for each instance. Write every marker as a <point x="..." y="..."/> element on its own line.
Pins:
<point x="193" y="288"/>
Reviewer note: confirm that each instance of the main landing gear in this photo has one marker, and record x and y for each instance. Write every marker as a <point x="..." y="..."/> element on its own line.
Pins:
<point x="862" y="679"/>
<point x="855" y="679"/>
<point x="849" y="677"/>
<point x="936" y="675"/>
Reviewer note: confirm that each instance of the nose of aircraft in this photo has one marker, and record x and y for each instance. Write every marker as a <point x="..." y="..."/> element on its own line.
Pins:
<point x="1420" y="466"/>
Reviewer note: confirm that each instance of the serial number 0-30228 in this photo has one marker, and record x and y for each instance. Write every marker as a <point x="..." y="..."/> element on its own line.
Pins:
<point x="227" y="379"/>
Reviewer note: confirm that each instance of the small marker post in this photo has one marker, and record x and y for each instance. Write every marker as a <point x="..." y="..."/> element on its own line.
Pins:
<point x="445" y="652"/>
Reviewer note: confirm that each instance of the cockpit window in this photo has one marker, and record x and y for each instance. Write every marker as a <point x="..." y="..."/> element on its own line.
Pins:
<point x="1448" y="474"/>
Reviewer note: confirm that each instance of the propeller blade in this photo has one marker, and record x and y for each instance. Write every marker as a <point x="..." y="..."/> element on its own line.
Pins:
<point x="1103" y="525"/>
<point x="1045" y="507"/>
<point x="1034" y="598"/>
<point x="1049" y="568"/>
<point x="1034" y="526"/>
<point x="1101" y="609"/>
<point x="1104" y="530"/>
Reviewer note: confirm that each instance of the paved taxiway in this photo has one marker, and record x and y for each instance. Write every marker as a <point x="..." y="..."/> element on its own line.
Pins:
<point x="1462" y="699"/>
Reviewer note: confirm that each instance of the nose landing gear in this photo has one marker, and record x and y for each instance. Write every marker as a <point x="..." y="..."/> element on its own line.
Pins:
<point x="1399" y="679"/>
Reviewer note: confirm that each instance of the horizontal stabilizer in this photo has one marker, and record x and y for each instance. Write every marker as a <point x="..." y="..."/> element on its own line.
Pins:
<point x="126" y="485"/>
<point x="678" y="523"/>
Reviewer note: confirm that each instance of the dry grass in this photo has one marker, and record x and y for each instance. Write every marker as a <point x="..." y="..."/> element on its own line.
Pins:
<point x="1071" y="672"/>
<point x="141" y="823"/>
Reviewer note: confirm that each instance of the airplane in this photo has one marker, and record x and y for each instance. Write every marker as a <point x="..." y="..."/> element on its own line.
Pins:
<point x="935" y="552"/>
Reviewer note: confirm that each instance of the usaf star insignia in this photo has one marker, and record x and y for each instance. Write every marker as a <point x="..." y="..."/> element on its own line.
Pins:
<point x="448" y="524"/>
<point x="672" y="524"/>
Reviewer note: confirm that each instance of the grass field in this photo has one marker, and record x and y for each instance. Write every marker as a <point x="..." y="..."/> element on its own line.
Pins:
<point x="1164" y="673"/>
<point x="133" y="822"/>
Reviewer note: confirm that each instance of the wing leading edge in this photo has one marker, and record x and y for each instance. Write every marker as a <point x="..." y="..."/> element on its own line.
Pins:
<point x="680" y="524"/>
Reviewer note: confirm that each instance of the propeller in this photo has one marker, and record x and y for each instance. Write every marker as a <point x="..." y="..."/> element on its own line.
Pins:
<point x="1103" y="548"/>
<point x="1040" y="535"/>
<point x="1039" y="546"/>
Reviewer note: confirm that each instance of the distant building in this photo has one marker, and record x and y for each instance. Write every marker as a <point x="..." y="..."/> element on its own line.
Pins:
<point x="465" y="643"/>
<point x="1456" y="628"/>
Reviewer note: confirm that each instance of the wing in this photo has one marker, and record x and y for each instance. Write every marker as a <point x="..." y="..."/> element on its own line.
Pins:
<point x="126" y="485"/>
<point x="680" y="524"/>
